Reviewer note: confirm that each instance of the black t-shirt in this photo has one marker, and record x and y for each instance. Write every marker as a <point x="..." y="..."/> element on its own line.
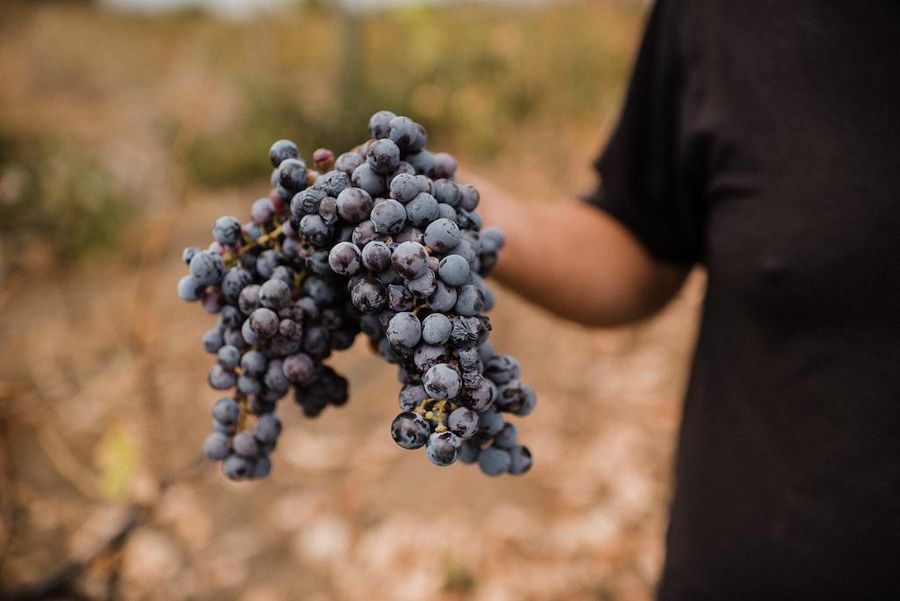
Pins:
<point x="762" y="140"/>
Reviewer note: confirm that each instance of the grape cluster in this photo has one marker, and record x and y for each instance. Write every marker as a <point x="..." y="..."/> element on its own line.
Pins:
<point x="381" y="240"/>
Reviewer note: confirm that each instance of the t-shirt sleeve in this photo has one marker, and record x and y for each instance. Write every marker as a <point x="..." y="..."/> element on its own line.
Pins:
<point x="644" y="180"/>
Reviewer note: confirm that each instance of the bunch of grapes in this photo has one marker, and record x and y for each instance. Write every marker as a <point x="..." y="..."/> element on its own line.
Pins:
<point x="381" y="240"/>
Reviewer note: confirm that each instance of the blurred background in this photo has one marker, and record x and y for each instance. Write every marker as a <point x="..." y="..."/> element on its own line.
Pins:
<point x="126" y="128"/>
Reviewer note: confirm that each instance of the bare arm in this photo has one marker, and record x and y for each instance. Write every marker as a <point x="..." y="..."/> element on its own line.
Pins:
<point x="576" y="261"/>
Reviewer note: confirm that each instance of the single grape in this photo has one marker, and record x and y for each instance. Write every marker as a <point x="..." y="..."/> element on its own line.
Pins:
<point x="188" y="289"/>
<point x="248" y="299"/>
<point x="422" y="210"/>
<point x="226" y="411"/>
<point x="212" y="341"/>
<point x="314" y="229"/>
<point x="345" y="258"/>
<point x="268" y="428"/>
<point x="442" y="235"/>
<point x="348" y="162"/>
<point x="506" y="438"/>
<point x="333" y="183"/>
<point x="366" y="178"/>
<point x="245" y="444"/>
<point x="369" y="295"/>
<point x="384" y="156"/>
<point x="411" y="395"/>
<point x="454" y="270"/>
<point x="221" y="379"/>
<point x="274" y="294"/>
<point x="207" y="268"/>
<point x="323" y="159"/>
<point x="442" y="448"/>
<point x="443" y="299"/>
<point x="262" y="467"/>
<point x="422" y="161"/>
<point x="307" y="202"/>
<point x="354" y="205"/>
<point x="470" y="301"/>
<point x="428" y="355"/>
<point x="494" y="462"/>
<point x="463" y="422"/>
<point x="422" y="286"/>
<point x="376" y="256"/>
<point x="188" y="254"/>
<point x="262" y="211"/>
<point x="404" y="330"/>
<point x="442" y="381"/>
<point x="216" y="446"/>
<point x="227" y="231"/>
<point x="292" y="175"/>
<point x="399" y="298"/>
<point x="235" y="280"/>
<point x="388" y="217"/>
<point x="444" y="165"/>
<point x="405" y="187"/>
<point x="410" y="260"/>
<point x="468" y="197"/>
<point x="229" y="357"/>
<point x="380" y="124"/>
<point x="520" y="460"/>
<point x="403" y="132"/>
<point x="469" y="451"/>
<point x="436" y="329"/>
<point x="410" y="431"/>
<point x="281" y="151"/>
<point x="236" y="467"/>
<point x="446" y="191"/>
<point x="299" y="368"/>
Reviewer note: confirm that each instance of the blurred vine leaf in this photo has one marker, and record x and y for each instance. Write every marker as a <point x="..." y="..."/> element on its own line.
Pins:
<point x="117" y="456"/>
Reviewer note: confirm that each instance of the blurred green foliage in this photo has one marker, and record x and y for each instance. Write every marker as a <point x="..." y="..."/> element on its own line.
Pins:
<point x="54" y="194"/>
<point x="474" y="76"/>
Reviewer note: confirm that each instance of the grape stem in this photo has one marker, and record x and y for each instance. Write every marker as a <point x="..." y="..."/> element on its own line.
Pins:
<point x="263" y="240"/>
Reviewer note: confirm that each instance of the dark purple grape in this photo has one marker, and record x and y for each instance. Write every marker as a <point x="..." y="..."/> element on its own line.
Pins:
<point x="463" y="422"/>
<point x="405" y="187"/>
<point x="274" y="294"/>
<point x="207" y="268"/>
<point x="314" y="229"/>
<point x="444" y="165"/>
<point x="380" y="124"/>
<point x="422" y="161"/>
<point x="442" y="381"/>
<point x="404" y="330"/>
<point x="333" y="183"/>
<point x="281" y="151"/>
<point x="520" y="460"/>
<point x="299" y="369"/>
<point x="403" y="132"/>
<point x="237" y="467"/>
<point x="454" y="270"/>
<point x="227" y="231"/>
<point x="366" y="178"/>
<point x="494" y="462"/>
<point x="436" y="329"/>
<point x="354" y="205"/>
<point x="384" y="156"/>
<point x="263" y="323"/>
<point x="424" y="285"/>
<point x="388" y="217"/>
<point x="369" y="295"/>
<point x="442" y="448"/>
<point x="292" y="175"/>
<point x="348" y="162"/>
<point x="422" y="210"/>
<point x="345" y="258"/>
<point x="221" y="379"/>
<point x="410" y="431"/>
<point x="410" y="260"/>
<point x="188" y="289"/>
<point x="216" y="446"/>
<point x="442" y="235"/>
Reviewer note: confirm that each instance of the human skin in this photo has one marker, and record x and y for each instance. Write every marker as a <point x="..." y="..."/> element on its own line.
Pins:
<point x="575" y="260"/>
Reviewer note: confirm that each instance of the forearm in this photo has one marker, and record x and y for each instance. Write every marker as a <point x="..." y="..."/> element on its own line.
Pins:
<point x="577" y="261"/>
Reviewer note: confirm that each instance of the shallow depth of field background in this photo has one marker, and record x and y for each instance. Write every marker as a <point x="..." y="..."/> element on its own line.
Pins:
<point x="123" y="136"/>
